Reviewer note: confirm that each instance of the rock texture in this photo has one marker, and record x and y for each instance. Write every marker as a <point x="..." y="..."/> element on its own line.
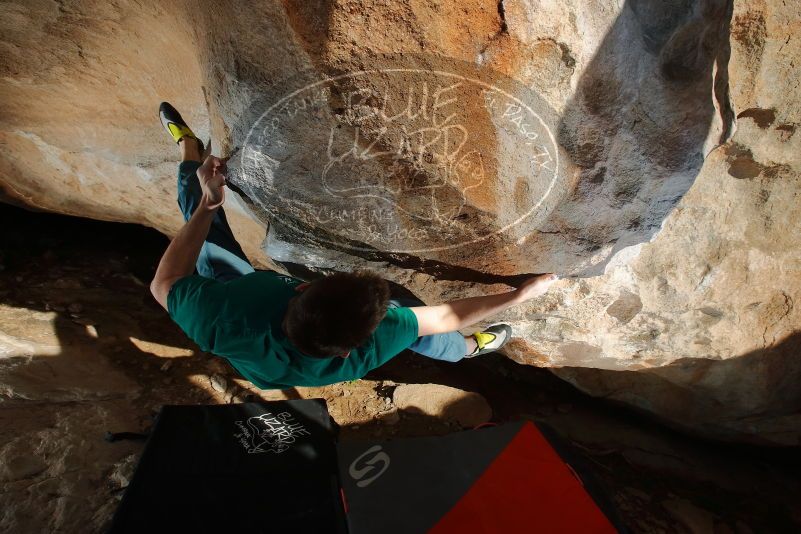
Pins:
<point x="645" y="149"/>
<point x="465" y="408"/>
<point x="59" y="472"/>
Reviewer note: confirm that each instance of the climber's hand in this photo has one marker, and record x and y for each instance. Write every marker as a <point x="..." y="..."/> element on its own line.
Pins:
<point x="535" y="287"/>
<point x="212" y="180"/>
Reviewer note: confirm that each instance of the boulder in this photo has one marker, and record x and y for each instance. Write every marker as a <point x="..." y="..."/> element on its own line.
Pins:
<point x="645" y="150"/>
<point x="465" y="408"/>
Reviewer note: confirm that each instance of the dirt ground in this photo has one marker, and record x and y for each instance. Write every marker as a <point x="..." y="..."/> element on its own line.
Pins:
<point x="84" y="350"/>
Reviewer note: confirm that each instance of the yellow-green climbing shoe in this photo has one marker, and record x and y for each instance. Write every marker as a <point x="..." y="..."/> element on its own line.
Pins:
<point x="174" y="123"/>
<point x="491" y="339"/>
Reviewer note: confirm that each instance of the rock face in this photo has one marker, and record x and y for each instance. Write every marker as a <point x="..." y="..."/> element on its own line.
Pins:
<point x="465" y="408"/>
<point x="643" y="149"/>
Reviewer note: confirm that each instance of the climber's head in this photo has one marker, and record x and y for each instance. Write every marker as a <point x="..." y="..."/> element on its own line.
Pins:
<point x="335" y="314"/>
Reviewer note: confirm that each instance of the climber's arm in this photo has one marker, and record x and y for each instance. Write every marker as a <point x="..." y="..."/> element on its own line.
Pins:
<point x="462" y="313"/>
<point x="180" y="257"/>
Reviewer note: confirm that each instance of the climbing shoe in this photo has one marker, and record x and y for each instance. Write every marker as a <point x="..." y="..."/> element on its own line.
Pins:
<point x="175" y="125"/>
<point x="491" y="339"/>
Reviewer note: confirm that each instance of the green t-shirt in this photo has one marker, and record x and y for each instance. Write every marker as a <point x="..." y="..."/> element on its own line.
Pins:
<point x="241" y="321"/>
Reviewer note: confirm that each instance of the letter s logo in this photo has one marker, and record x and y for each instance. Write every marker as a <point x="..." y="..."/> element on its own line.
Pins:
<point x="358" y="472"/>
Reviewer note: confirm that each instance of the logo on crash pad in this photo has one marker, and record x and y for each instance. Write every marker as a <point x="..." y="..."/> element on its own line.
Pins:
<point x="404" y="160"/>
<point x="369" y="465"/>
<point x="268" y="432"/>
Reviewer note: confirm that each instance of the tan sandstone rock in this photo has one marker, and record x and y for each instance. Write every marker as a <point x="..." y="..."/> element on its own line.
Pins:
<point x="644" y="150"/>
<point x="466" y="408"/>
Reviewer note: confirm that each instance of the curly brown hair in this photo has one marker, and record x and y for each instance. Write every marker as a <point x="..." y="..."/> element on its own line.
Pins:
<point x="336" y="313"/>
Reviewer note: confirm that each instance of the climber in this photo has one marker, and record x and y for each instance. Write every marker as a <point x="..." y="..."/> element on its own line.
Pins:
<point x="278" y="331"/>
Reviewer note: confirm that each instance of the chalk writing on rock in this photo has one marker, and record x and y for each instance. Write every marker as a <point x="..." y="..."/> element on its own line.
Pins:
<point x="403" y="160"/>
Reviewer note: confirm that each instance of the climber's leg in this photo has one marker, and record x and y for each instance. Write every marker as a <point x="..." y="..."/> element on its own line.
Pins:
<point x="453" y="346"/>
<point x="221" y="257"/>
<point x="191" y="149"/>
<point x="450" y="347"/>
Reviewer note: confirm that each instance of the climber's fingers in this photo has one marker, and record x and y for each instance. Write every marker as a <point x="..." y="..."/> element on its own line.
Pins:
<point x="212" y="172"/>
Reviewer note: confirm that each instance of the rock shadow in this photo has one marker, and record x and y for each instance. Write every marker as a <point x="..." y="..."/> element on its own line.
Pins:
<point x="649" y="106"/>
<point x="80" y="306"/>
<point x="752" y="398"/>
